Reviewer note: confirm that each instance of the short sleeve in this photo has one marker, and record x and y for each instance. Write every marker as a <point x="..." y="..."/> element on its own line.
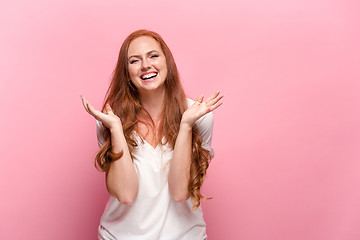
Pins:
<point x="100" y="129"/>
<point x="205" y="127"/>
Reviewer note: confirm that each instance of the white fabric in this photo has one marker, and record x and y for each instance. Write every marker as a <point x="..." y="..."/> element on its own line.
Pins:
<point x="154" y="215"/>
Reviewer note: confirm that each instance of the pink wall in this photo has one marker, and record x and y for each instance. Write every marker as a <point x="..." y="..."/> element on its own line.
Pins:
<point x="286" y="139"/>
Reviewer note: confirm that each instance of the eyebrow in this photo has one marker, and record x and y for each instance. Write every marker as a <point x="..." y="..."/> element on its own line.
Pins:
<point x="152" y="51"/>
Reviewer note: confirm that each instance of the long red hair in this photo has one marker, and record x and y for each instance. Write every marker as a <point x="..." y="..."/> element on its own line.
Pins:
<point x="123" y="98"/>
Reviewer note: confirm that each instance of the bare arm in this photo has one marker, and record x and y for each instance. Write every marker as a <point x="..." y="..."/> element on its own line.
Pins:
<point x="179" y="171"/>
<point x="121" y="179"/>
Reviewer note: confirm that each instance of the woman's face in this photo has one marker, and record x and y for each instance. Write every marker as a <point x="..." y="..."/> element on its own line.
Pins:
<point x="146" y="64"/>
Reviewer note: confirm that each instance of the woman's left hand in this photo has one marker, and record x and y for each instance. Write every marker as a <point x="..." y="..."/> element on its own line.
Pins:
<point x="200" y="108"/>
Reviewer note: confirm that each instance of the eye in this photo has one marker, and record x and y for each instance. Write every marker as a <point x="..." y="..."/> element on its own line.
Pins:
<point x="154" y="56"/>
<point x="133" y="61"/>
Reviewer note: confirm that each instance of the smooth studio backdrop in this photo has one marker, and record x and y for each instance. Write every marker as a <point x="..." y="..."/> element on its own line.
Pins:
<point x="286" y="138"/>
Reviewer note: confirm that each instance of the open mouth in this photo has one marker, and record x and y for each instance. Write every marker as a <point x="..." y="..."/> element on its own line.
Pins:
<point x="148" y="76"/>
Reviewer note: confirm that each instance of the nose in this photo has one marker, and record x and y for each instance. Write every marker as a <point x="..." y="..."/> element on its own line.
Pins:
<point x="145" y="65"/>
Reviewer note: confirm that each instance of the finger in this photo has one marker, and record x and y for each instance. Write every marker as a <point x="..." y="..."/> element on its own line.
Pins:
<point x="98" y="115"/>
<point x="200" y="98"/>
<point x="218" y="104"/>
<point x="84" y="102"/>
<point x="108" y="109"/>
<point x="90" y="109"/>
<point x="213" y="96"/>
<point x="215" y="100"/>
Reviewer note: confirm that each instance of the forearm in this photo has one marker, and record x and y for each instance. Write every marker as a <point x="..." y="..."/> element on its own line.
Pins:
<point x="179" y="171"/>
<point x="122" y="179"/>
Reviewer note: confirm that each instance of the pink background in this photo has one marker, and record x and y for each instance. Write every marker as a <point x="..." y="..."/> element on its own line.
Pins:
<point x="286" y="139"/>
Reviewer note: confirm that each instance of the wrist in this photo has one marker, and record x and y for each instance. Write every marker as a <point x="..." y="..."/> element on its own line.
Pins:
<point x="116" y="128"/>
<point x="186" y="126"/>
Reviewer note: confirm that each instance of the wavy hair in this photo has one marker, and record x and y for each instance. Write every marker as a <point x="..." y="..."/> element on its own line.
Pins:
<point x="123" y="98"/>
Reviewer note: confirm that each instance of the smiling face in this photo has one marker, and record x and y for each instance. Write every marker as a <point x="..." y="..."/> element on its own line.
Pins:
<point x="146" y="64"/>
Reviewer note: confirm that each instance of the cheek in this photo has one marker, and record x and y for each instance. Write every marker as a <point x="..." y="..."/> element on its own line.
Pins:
<point x="162" y="65"/>
<point x="132" y="71"/>
<point x="165" y="69"/>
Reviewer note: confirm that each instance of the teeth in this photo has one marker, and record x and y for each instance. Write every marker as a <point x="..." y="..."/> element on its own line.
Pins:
<point x="149" y="75"/>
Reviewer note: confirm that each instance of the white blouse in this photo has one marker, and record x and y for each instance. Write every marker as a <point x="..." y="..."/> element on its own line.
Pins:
<point x="154" y="215"/>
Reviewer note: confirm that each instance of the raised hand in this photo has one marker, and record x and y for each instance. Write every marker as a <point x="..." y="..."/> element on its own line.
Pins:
<point x="200" y="108"/>
<point x="108" y="119"/>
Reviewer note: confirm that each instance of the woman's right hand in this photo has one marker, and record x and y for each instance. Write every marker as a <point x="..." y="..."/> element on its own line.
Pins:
<point x="108" y="119"/>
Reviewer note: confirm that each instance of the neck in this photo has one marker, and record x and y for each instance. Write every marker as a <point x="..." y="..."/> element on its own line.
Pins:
<point x="153" y="102"/>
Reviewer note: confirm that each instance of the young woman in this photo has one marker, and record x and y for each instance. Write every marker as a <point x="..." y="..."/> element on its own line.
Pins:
<point x="155" y="146"/>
